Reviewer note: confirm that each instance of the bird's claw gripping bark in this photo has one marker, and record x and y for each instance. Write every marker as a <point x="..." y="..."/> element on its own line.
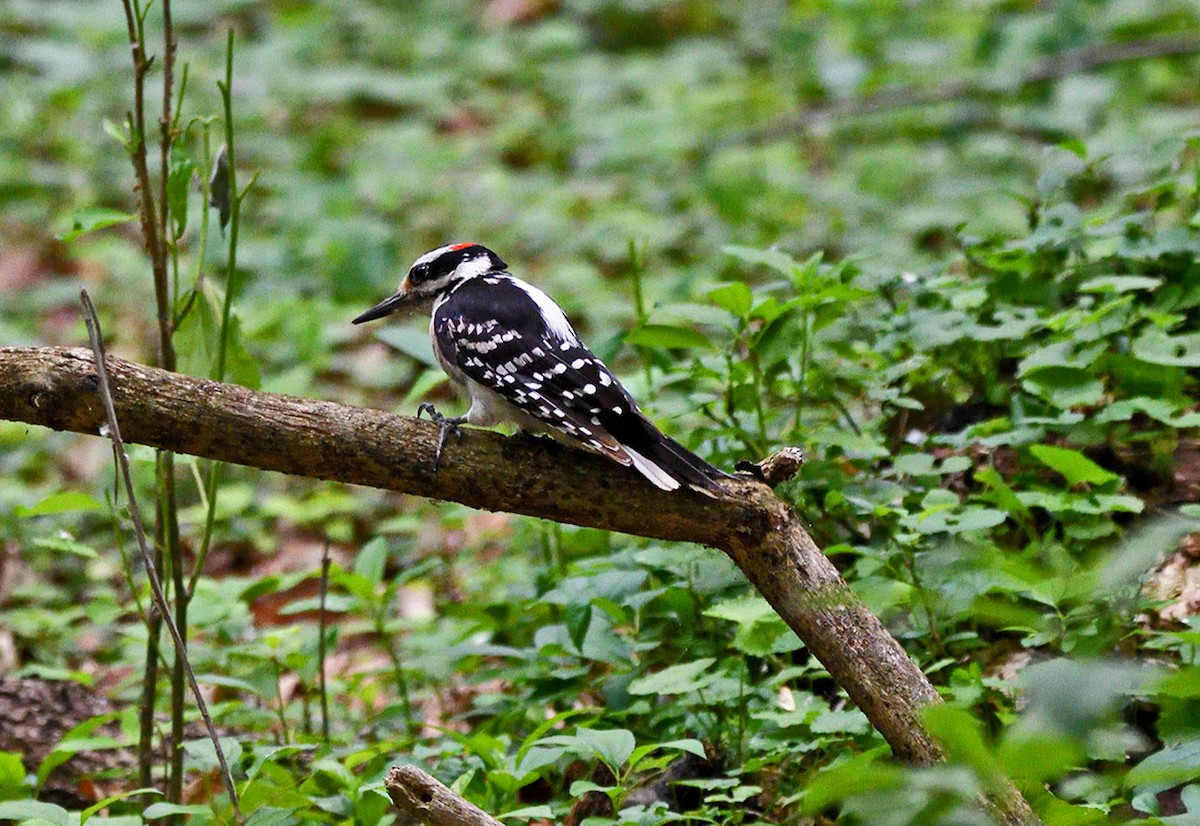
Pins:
<point x="446" y="426"/>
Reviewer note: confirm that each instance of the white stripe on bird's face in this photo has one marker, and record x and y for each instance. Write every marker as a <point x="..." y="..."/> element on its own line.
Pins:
<point x="433" y="254"/>
<point x="472" y="268"/>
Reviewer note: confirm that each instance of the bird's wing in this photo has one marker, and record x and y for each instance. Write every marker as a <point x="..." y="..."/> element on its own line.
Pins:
<point x="502" y="338"/>
<point x="508" y="336"/>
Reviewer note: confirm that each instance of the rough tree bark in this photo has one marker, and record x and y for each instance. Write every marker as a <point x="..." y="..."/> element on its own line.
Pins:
<point x="56" y="387"/>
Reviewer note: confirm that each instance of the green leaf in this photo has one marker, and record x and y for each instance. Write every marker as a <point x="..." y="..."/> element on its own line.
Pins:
<point x="1156" y="347"/>
<point x="760" y="630"/>
<point x="675" y="679"/>
<point x="12" y="775"/>
<point x="1065" y="387"/>
<point x="372" y="560"/>
<point x="668" y="337"/>
<point x="91" y="219"/>
<point x="582" y="787"/>
<point x="1072" y="465"/>
<point x="204" y="756"/>
<point x="866" y="772"/>
<point x="612" y="746"/>
<point x="962" y="737"/>
<point x="265" y="754"/>
<point x="529" y="813"/>
<point x="1119" y="284"/>
<point x="578" y="620"/>
<point x="1161" y="410"/>
<point x="1064" y="354"/>
<point x="198" y="341"/>
<point x="943" y="513"/>
<point x="87" y="813"/>
<point x="179" y="181"/>
<point x="1176" y="763"/>
<point x="688" y="744"/>
<point x="779" y="261"/>
<point x="734" y="297"/>
<point x="20" y="810"/>
<point x="1003" y="493"/>
<point x="850" y="721"/>
<point x="156" y="810"/>
<point x="226" y="681"/>
<point x="67" y="501"/>
<point x="544" y="752"/>
<point x="67" y="545"/>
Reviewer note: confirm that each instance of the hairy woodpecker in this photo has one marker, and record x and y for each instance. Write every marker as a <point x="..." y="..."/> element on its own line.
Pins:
<point x="510" y="349"/>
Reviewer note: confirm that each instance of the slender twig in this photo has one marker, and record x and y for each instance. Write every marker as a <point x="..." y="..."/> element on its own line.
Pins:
<point x="321" y="627"/>
<point x="166" y="120"/>
<point x="1054" y="67"/>
<point x="148" y="210"/>
<point x="168" y="505"/>
<point x="156" y="589"/>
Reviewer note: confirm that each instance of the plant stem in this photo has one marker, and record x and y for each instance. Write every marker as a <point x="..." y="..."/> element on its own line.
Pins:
<point x="218" y="374"/>
<point x="393" y="651"/>
<point x="321" y="625"/>
<point x="152" y="222"/>
<point x="235" y="208"/>
<point x="637" y="266"/>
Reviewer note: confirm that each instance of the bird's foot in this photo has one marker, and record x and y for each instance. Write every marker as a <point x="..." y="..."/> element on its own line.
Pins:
<point x="446" y="426"/>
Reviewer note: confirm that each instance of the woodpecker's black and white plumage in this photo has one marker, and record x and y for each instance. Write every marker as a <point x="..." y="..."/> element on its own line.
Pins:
<point x="510" y="349"/>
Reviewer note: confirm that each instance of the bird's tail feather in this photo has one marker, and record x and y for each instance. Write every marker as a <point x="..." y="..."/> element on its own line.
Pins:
<point x="667" y="458"/>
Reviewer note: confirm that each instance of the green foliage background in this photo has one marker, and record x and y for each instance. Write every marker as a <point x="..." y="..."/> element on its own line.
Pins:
<point x="977" y="317"/>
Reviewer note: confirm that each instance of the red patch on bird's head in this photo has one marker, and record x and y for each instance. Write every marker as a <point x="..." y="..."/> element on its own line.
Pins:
<point x="460" y="246"/>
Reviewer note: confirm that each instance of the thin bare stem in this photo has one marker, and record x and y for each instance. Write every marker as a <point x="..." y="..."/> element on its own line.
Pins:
<point x="156" y="589"/>
<point x="152" y="241"/>
<point x="321" y="628"/>
<point x="165" y="120"/>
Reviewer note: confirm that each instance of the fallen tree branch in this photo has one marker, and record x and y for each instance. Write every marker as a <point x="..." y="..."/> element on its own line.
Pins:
<point x="56" y="387"/>
<point x="423" y="799"/>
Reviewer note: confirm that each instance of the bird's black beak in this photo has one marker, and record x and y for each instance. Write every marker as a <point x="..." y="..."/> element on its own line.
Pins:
<point x="386" y="307"/>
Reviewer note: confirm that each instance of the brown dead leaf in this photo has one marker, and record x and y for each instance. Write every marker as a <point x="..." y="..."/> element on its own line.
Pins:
<point x="20" y="267"/>
<point x="1176" y="582"/>
<point x="500" y="13"/>
<point x="462" y="122"/>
